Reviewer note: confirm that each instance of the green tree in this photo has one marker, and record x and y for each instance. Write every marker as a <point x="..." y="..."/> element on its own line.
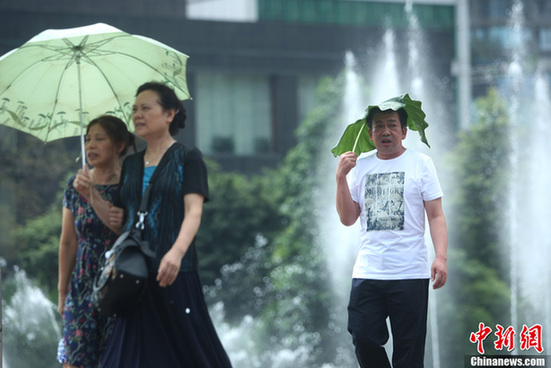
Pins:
<point x="282" y="281"/>
<point x="301" y="273"/>
<point x="38" y="245"/>
<point x="30" y="171"/>
<point x="480" y="163"/>
<point x="240" y="210"/>
<point x="477" y="289"/>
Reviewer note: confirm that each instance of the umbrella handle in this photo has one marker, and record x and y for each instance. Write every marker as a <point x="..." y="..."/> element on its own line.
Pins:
<point x="82" y="143"/>
<point x="82" y="150"/>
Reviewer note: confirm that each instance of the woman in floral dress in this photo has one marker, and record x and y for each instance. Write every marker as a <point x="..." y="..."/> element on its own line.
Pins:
<point x="84" y="240"/>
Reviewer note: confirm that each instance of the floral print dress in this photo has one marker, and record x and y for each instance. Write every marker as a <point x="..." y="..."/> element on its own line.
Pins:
<point x="84" y="329"/>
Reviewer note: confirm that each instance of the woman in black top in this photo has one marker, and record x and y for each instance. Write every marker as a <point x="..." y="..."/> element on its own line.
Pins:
<point x="171" y="326"/>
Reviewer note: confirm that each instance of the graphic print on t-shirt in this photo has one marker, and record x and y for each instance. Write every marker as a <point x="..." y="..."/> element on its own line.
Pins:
<point x="384" y="201"/>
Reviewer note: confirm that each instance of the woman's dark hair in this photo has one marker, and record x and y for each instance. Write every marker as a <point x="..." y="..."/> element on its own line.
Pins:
<point x="168" y="101"/>
<point x="402" y="115"/>
<point x="116" y="129"/>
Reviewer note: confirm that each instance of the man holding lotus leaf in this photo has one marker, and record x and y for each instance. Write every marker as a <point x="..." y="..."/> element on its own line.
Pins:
<point x="390" y="190"/>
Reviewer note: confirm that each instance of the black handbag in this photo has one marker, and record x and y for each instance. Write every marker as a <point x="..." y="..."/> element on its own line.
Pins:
<point x="122" y="278"/>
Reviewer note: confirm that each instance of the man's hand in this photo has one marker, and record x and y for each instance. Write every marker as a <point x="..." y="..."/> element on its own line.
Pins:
<point x="439" y="273"/>
<point x="347" y="161"/>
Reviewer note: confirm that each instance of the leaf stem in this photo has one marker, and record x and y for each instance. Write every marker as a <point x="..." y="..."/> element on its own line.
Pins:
<point x="358" y="137"/>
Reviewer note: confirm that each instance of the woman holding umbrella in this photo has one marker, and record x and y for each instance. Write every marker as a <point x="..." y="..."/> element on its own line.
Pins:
<point x="85" y="238"/>
<point x="171" y="326"/>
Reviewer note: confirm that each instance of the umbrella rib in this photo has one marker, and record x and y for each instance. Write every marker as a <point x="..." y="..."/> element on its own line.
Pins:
<point x="91" y="62"/>
<point x="94" y="48"/>
<point x="130" y="56"/>
<point x="58" y="88"/>
<point x="14" y="80"/>
<point x="169" y="66"/>
<point x="107" y="81"/>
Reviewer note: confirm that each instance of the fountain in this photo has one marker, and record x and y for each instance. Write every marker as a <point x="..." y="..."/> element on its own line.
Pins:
<point x="540" y="177"/>
<point x="528" y="216"/>
<point x="30" y="326"/>
<point x="385" y="75"/>
<point x="341" y="257"/>
<point x="515" y="73"/>
<point x="342" y="243"/>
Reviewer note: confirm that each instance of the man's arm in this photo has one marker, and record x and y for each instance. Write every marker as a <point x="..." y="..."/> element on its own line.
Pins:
<point x="439" y="235"/>
<point x="348" y="210"/>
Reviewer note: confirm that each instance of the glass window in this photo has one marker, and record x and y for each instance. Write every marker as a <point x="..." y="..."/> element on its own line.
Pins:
<point x="365" y="12"/>
<point x="478" y="34"/>
<point x="306" y="96"/>
<point x="545" y="39"/>
<point x="498" y="9"/>
<point x="233" y="114"/>
<point x="234" y="11"/>
<point x="508" y="37"/>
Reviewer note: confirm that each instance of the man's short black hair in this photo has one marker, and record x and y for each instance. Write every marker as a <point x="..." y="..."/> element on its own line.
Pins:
<point x="402" y="115"/>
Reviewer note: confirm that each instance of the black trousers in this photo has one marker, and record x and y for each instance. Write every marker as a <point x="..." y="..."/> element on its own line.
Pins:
<point x="405" y="303"/>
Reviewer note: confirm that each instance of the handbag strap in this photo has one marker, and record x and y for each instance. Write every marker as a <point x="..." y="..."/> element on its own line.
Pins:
<point x="142" y="211"/>
<point x="140" y="224"/>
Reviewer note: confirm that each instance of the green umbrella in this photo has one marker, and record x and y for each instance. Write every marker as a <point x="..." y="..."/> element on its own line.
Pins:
<point x="356" y="136"/>
<point x="59" y="78"/>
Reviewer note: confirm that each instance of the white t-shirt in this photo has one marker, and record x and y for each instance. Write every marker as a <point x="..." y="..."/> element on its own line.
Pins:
<point x="391" y="195"/>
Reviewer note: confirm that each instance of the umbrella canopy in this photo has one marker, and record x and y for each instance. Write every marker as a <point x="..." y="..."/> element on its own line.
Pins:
<point x="59" y="78"/>
<point x="356" y="136"/>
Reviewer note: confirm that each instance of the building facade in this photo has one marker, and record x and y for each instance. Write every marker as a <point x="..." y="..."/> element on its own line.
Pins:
<point x="254" y="64"/>
<point x="504" y="30"/>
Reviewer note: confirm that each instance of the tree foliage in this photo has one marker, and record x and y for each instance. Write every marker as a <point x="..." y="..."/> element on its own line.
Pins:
<point x="477" y="289"/>
<point x="240" y="209"/>
<point x="30" y="172"/>
<point x="281" y="281"/>
<point x="480" y="163"/>
<point x="38" y="248"/>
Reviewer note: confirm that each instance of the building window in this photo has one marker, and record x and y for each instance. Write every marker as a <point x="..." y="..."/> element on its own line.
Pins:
<point x="233" y="114"/>
<point x="545" y="39"/>
<point x="356" y="12"/>
<point x="498" y="9"/>
<point x="306" y="96"/>
<point x="223" y="10"/>
<point x="508" y="38"/>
